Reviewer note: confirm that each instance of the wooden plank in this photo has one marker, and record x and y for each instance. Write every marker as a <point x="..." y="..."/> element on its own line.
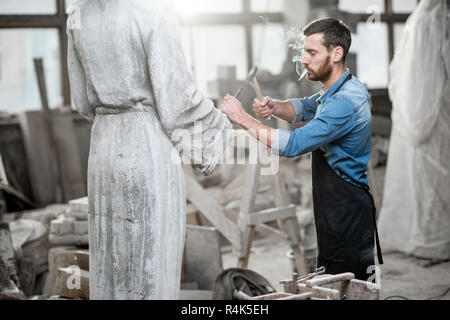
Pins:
<point x="65" y="85"/>
<point x="272" y="214"/>
<point x="192" y="214"/>
<point x="301" y="296"/>
<point x="290" y="226"/>
<point x="319" y="292"/>
<point x="362" y="290"/>
<point x="268" y="231"/>
<point x="262" y="229"/>
<point x="248" y="198"/>
<point x="74" y="183"/>
<point x="347" y="276"/>
<point x="209" y="207"/>
<point x="273" y="296"/>
<point x="31" y="21"/>
<point x="247" y="231"/>
<point x="35" y="140"/>
<point x="3" y="177"/>
<point x="82" y="259"/>
<point x="352" y="290"/>
<point x="66" y="283"/>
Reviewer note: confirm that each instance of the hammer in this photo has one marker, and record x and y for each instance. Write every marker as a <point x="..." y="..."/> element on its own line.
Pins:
<point x="254" y="83"/>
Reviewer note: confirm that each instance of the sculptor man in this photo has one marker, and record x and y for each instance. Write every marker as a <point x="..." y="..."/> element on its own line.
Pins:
<point x="339" y="136"/>
<point x="128" y="75"/>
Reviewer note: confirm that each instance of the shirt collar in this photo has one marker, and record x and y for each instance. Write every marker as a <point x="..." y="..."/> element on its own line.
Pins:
<point x="334" y="87"/>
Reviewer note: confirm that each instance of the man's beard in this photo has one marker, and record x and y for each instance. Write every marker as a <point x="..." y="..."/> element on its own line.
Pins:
<point x="324" y="72"/>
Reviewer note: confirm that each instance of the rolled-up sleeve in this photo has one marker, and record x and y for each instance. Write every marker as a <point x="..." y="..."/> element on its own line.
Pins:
<point x="305" y="108"/>
<point x="335" y="120"/>
<point x="280" y="141"/>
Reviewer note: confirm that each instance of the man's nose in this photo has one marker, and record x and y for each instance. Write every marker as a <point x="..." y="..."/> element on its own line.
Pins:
<point x="305" y="61"/>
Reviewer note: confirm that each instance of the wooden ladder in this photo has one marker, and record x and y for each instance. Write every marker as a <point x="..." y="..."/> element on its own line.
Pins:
<point x="239" y="228"/>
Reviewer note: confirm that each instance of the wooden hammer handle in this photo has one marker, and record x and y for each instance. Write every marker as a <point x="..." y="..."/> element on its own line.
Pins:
<point x="258" y="93"/>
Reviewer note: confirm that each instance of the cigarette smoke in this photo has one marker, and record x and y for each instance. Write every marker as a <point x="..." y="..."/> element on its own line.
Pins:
<point x="293" y="36"/>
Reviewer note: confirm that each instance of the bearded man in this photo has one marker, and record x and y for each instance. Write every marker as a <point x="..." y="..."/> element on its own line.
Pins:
<point x="339" y="136"/>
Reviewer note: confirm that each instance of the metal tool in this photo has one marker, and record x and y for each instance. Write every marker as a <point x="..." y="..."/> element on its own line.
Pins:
<point x="254" y="83"/>
<point x="238" y="92"/>
<point x="294" y="282"/>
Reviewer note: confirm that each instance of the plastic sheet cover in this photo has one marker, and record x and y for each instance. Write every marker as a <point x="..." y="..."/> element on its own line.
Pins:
<point x="415" y="214"/>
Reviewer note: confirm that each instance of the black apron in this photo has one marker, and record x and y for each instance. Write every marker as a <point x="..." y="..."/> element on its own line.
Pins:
<point x="345" y="217"/>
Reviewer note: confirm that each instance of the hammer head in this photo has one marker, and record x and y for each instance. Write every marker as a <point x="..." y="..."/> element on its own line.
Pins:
<point x="252" y="74"/>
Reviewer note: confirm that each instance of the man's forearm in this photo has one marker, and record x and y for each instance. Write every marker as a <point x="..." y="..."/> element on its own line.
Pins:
<point x="284" y="110"/>
<point x="258" y="130"/>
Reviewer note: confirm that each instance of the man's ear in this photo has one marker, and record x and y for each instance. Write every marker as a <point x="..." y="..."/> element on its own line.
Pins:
<point x="337" y="54"/>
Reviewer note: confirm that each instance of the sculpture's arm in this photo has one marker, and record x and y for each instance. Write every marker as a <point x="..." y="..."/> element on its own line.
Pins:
<point x="181" y="106"/>
<point x="77" y="80"/>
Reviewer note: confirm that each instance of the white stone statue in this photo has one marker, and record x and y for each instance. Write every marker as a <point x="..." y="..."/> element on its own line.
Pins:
<point x="128" y="75"/>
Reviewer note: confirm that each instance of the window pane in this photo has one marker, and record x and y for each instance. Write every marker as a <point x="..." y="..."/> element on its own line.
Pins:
<point x="267" y="5"/>
<point x="403" y="6"/>
<point x="269" y="47"/>
<point x="205" y="51"/>
<point x="191" y="7"/>
<point x="371" y="46"/>
<point x="27" y="6"/>
<point x="398" y="30"/>
<point x="362" y="6"/>
<point x="18" y="87"/>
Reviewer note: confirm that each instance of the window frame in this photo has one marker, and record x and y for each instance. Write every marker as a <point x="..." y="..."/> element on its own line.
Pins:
<point x="52" y="21"/>
<point x="247" y="18"/>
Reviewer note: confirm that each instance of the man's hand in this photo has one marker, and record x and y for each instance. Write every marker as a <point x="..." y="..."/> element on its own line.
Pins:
<point x="263" y="108"/>
<point x="233" y="109"/>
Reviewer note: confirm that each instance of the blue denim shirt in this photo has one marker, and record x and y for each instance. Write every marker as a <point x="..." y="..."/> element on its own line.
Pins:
<point x="340" y="125"/>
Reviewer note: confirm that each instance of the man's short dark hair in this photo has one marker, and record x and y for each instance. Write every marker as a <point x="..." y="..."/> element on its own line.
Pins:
<point x="335" y="33"/>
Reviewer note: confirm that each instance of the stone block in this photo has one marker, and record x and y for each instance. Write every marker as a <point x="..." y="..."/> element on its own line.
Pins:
<point x="62" y="226"/>
<point x="203" y="260"/>
<point x="69" y="239"/>
<point x="80" y="227"/>
<point x="77" y="215"/>
<point x="79" y="205"/>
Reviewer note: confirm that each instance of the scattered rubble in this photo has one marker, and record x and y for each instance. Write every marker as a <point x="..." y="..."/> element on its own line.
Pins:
<point x="72" y="227"/>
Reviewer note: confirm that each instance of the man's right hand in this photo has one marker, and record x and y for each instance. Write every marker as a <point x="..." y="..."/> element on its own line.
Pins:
<point x="263" y="108"/>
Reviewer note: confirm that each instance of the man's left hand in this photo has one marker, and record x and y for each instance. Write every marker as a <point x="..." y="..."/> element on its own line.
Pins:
<point x="233" y="109"/>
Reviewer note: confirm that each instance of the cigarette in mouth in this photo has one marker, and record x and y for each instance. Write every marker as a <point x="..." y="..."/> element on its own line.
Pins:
<point x="303" y="75"/>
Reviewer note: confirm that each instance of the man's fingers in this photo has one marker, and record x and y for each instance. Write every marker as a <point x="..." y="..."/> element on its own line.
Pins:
<point x="262" y="103"/>
<point x="259" y="104"/>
